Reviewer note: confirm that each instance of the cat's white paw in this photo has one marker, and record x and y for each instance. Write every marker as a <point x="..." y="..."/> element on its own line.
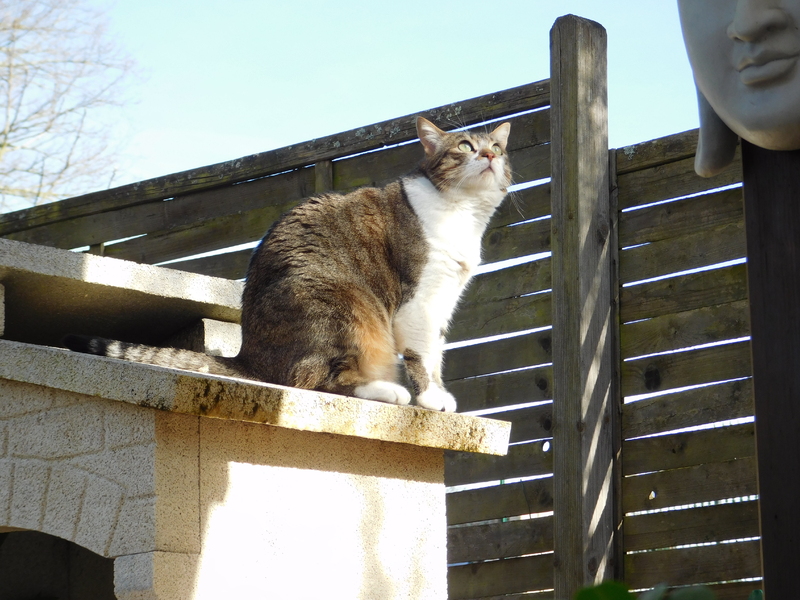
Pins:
<point x="383" y="391"/>
<point x="435" y="398"/>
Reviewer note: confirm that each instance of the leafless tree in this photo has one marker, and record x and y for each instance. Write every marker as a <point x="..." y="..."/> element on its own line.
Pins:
<point x="60" y="84"/>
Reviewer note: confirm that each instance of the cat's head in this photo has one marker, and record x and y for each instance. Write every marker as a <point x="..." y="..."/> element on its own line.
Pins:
<point x="465" y="160"/>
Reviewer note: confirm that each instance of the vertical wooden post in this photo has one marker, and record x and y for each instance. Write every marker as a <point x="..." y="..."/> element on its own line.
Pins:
<point x="772" y="223"/>
<point x="323" y="176"/>
<point x="585" y="396"/>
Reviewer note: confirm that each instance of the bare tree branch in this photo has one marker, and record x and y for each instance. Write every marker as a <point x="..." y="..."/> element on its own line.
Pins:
<point x="60" y="84"/>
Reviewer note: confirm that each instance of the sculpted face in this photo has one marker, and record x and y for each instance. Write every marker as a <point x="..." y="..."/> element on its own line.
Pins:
<point x="744" y="55"/>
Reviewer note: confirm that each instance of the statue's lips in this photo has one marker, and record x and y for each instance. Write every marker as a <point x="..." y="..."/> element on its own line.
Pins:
<point x="765" y="67"/>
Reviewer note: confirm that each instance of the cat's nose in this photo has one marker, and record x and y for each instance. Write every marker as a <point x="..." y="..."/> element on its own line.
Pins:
<point x="489" y="155"/>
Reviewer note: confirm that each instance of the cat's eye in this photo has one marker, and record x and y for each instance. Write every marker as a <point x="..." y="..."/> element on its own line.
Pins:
<point x="497" y="149"/>
<point x="466" y="147"/>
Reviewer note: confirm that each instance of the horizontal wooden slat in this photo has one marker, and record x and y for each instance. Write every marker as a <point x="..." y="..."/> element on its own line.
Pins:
<point x="656" y="152"/>
<point x="523" y="205"/>
<point x="672" y="180"/>
<point x="527" y="278"/>
<point x="691" y="485"/>
<point x="274" y="195"/>
<point x="709" y="404"/>
<point x="721" y="562"/>
<point x="681" y="369"/>
<point x="499" y="540"/>
<point x="691" y="328"/>
<point x="691" y="526"/>
<point x="362" y="139"/>
<point x="505" y="389"/>
<point x="534" y="423"/>
<point x="517" y="240"/>
<point x="739" y="590"/>
<point x="501" y="355"/>
<point x="231" y="265"/>
<point x="688" y="449"/>
<point x="682" y="254"/>
<point x="682" y="217"/>
<point x="479" y="580"/>
<point x="522" y="460"/>
<point x="686" y="292"/>
<point x="490" y="318"/>
<point x="499" y="501"/>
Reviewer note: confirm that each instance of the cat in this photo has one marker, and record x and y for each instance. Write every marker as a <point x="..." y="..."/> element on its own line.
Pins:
<point x="343" y="285"/>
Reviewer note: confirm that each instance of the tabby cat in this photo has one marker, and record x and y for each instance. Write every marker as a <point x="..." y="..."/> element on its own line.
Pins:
<point x="343" y="285"/>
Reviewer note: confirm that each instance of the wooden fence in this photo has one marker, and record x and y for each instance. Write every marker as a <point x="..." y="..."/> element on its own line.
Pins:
<point x="678" y="506"/>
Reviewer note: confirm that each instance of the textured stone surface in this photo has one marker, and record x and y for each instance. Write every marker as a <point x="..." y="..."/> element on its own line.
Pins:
<point x="51" y="292"/>
<point x="235" y="399"/>
<point x="110" y="476"/>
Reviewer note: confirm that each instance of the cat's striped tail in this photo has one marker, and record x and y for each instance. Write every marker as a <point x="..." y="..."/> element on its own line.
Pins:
<point x="173" y="358"/>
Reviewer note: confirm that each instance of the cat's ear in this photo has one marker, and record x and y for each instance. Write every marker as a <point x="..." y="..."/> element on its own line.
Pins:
<point x="501" y="133"/>
<point x="429" y="134"/>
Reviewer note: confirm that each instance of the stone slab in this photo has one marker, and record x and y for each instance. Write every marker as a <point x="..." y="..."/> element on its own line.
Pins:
<point x="50" y="292"/>
<point x="242" y="400"/>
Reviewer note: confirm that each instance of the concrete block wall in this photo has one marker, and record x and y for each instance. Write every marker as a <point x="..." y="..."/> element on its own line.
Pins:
<point x="83" y="469"/>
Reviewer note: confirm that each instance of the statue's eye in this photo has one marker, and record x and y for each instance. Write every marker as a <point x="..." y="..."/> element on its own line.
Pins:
<point x="466" y="147"/>
<point x="497" y="149"/>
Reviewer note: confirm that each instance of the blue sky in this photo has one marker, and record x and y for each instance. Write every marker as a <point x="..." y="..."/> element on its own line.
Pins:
<point x="220" y="79"/>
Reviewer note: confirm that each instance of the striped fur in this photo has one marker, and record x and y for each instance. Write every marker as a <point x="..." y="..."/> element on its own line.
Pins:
<point x="343" y="285"/>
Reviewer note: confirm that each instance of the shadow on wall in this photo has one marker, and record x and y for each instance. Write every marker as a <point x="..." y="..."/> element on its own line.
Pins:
<point x="37" y="565"/>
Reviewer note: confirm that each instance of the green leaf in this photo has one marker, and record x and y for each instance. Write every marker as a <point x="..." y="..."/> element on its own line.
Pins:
<point x="608" y="590"/>
<point x="698" y="592"/>
<point x="756" y="595"/>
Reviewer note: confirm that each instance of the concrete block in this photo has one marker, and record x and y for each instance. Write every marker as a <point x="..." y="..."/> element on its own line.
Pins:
<point x="98" y="519"/>
<point x="126" y="425"/>
<point x="131" y="468"/>
<point x="136" y="530"/>
<point x="2" y="310"/>
<point x="156" y="576"/>
<point x="209" y="336"/>
<point x="64" y="501"/>
<point x="73" y="430"/>
<point x="28" y="489"/>
<point x="6" y="477"/>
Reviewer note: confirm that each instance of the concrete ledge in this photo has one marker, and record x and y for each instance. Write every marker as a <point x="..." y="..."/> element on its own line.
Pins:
<point x="51" y="292"/>
<point x="241" y="400"/>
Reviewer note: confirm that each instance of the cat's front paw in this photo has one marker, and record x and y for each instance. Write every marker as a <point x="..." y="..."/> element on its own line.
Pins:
<point x="435" y="398"/>
<point x="383" y="391"/>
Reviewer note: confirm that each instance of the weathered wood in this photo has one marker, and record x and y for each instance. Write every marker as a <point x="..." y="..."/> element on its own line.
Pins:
<point x="675" y="255"/>
<point x="323" y="176"/>
<point x="671" y="180"/>
<point x="523" y="205"/>
<point x="772" y="212"/>
<point x="499" y="501"/>
<point x="479" y="580"/>
<point x="499" y="540"/>
<point x="709" y="404"/>
<point x="584" y="390"/>
<point x="501" y="355"/>
<point x="653" y="153"/>
<point x="688" y="449"/>
<point x="700" y="525"/>
<point x="518" y="240"/>
<point x="693" y="565"/>
<point x="690" y="328"/>
<point x="362" y="139"/>
<point x="680" y="369"/>
<point x="734" y="591"/>
<point x="176" y="214"/>
<point x="534" y="423"/>
<point x="691" y="485"/>
<point x="230" y="265"/>
<point x="489" y="318"/>
<point x="523" y="460"/>
<point x="527" y="278"/>
<point x="683" y="293"/>
<point x="682" y="217"/>
<point x="504" y="389"/>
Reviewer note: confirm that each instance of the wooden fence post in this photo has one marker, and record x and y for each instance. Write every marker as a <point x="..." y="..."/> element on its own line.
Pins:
<point x="772" y="223"/>
<point x="585" y="394"/>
